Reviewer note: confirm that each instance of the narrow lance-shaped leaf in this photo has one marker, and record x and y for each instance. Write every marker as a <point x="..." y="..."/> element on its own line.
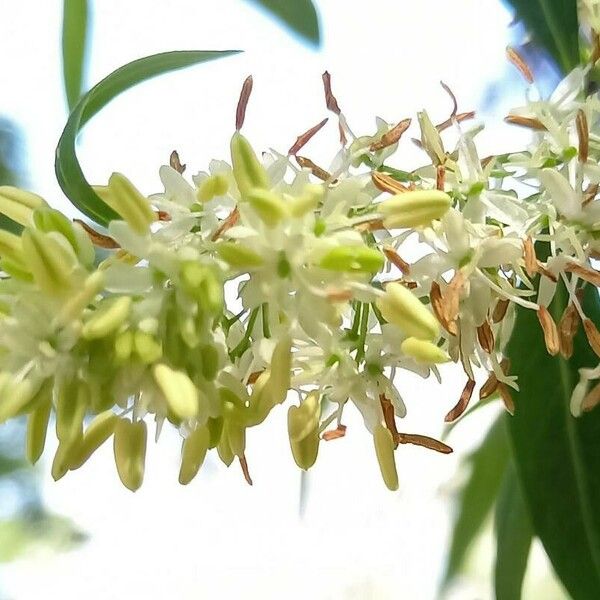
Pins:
<point x="513" y="537"/>
<point x="488" y="465"/>
<point x="556" y="454"/>
<point x="299" y="15"/>
<point x="67" y="167"/>
<point x="74" y="48"/>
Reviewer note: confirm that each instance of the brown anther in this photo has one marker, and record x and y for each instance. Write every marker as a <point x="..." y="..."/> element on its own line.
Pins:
<point x="462" y="403"/>
<point x="440" y="177"/>
<point x="528" y="122"/>
<point x="592" y="399"/>
<point x="391" y="137"/>
<point x="175" y="162"/>
<point x="489" y="387"/>
<point x="240" y="113"/>
<point x="373" y="225"/>
<point x="385" y="183"/>
<point x="437" y="304"/>
<point x="317" y="171"/>
<point x="567" y="328"/>
<point x="330" y="99"/>
<point x="517" y="60"/>
<point x="226" y="224"/>
<point x="486" y="161"/>
<point x="506" y="398"/>
<point x="98" y="239"/>
<point x="459" y="118"/>
<point x="595" y="48"/>
<point x="583" y="135"/>
<point x="452" y="97"/>
<point x="452" y="296"/>
<point x="253" y="377"/>
<point x="546" y="272"/>
<point x="590" y="193"/>
<point x="485" y="336"/>
<point x="425" y="441"/>
<point x="586" y="273"/>
<point x="343" y="138"/>
<point x="411" y="285"/>
<point x="550" y="330"/>
<point x="396" y="260"/>
<point x="334" y="434"/>
<point x="592" y="334"/>
<point x="304" y="138"/>
<point x="339" y="295"/>
<point x="500" y="310"/>
<point x="245" y="471"/>
<point x="162" y="215"/>
<point x="388" y="416"/>
<point x="531" y="261"/>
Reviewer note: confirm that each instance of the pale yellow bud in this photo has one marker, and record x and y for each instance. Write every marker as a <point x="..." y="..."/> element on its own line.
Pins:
<point x="215" y="185"/>
<point x="99" y="430"/>
<point x="238" y="256"/>
<point x="414" y="209"/>
<point x="37" y="426"/>
<point x="147" y="347"/>
<point x="72" y="403"/>
<point x="423" y="351"/>
<point x="269" y="206"/>
<point x="18" y="204"/>
<point x="111" y="314"/>
<point x="312" y="194"/>
<point x="130" y="452"/>
<point x="179" y="391"/>
<point x="193" y="452"/>
<point x="76" y="304"/>
<point x="247" y="169"/>
<point x="125" y="199"/>
<point x="401" y="307"/>
<point x="303" y="430"/>
<point x="384" y="449"/>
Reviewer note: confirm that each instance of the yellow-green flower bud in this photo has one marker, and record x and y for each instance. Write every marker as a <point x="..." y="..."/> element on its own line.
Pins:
<point x="147" y="347"/>
<point x="305" y="451"/>
<point x="431" y="140"/>
<point x="414" y="209"/>
<point x="15" y="396"/>
<point x="224" y="450"/>
<point x="51" y="262"/>
<point x="215" y="185"/>
<point x="311" y="196"/>
<point x="72" y="403"/>
<point x="236" y="437"/>
<point x="64" y="456"/>
<point x="202" y="284"/>
<point x="423" y="351"/>
<point x="37" y="426"/>
<point x="401" y="307"/>
<point x="123" y="346"/>
<point x="110" y="315"/>
<point x="268" y="205"/>
<point x="384" y="449"/>
<point x="280" y="370"/>
<point x="11" y="246"/>
<point x="130" y="452"/>
<point x="99" y="430"/>
<point x="238" y="256"/>
<point x="18" y="205"/>
<point x="215" y="428"/>
<point x="179" y="391"/>
<point x="125" y="199"/>
<point x="193" y="452"/>
<point x="76" y="304"/>
<point x="352" y="259"/>
<point x="247" y="169"/>
<point x="303" y="430"/>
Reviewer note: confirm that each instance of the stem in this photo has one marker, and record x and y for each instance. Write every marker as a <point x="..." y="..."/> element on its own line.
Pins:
<point x="364" y="326"/>
<point x="245" y="342"/>
<point x="265" y="320"/>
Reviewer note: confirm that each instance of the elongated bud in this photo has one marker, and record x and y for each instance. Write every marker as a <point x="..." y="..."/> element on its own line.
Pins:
<point x="414" y="209"/>
<point x="303" y="430"/>
<point x="193" y="452"/>
<point x="202" y="283"/>
<point x="430" y="139"/>
<point x="11" y="246"/>
<point x="108" y="318"/>
<point x="15" y="396"/>
<point x="179" y="391"/>
<point x="99" y="430"/>
<point x="353" y="259"/>
<point x="72" y="403"/>
<point x="37" y="426"/>
<point x="224" y="450"/>
<point x="76" y="304"/>
<point x="269" y="206"/>
<point x="306" y="450"/>
<point x="423" y="351"/>
<point x="238" y="256"/>
<point x="311" y="196"/>
<point x="123" y="346"/>
<point x="247" y="170"/>
<point x="384" y="449"/>
<point x="18" y="205"/>
<point x="401" y="307"/>
<point x="236" y="437"/>
<point x="65" y="454"/>
<point x="125" y="199"/>
<point x="215" y="429"/>
<point x="50" y="261"/>
<point x="147" y="347"/>
<point x="130" y="452"/>
<point x="211" y="187"/>
<point x="281" y="370"/>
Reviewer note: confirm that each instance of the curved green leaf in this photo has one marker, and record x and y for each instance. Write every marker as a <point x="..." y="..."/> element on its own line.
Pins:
<point x="556" y="455"/>
<point x="67" y="167"/>
<point x="554" y="25"/>
<point x="74" y="43"/>
<point x="488" y="465"/>
<point x="513" y="538"/>
<point x="299" y="15"/>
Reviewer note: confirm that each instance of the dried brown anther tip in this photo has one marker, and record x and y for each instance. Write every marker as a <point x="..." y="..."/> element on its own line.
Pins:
<point x="550" y="330"/>
<point x="592" y="399"/>
<point x="452" y="97"/>
<point x="98" y="239"/>
<point x="317" y="171"/>
<point x="392" y="136"/>
<point x="176" y="163"/>
<point x="593" y="335"/>
<point x="245" y="471"/>
<point x="334" y="434"/>
<point x="388" y="416"/>
<point x="254" y="376"/>
<point x="583" y="135"/>
<point x="528" y="122"/>
<point x="425" y="441"/>
<point x="531" y="261"/>
<point x="500" y="310"/>
<point x="330" y="99"/>
<point x="517" y="60"/>
<point x="586" y="273"/>
<point x="506" y="398"/>
<point x="396" y="260"/>
<point x="226" y="224"/>
<point x="439" y="310"/>
<point x="304" y="138"/>
<point x="385" y="183"/>
<point x="459" y="118"/>
<point x="440" y="177"/>
<point x="373" y="225"/>
<point x="338" y="295"/>
<point x="162" y="215"/>
<point x="463" y="402"/>
<point x="485" y="337"/>
<point x="240" y="113"/>
<point x="489" y="387"/>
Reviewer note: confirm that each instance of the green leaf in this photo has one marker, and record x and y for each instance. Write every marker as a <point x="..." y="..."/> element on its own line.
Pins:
<point x="67" y="167"/>
<point x="299" y="15"/>
<point x="556" y="455"/>
<point x="74" y="46"/>
<point x="488" y="464"/>
<point x="553" y="24"/>
<point x="513" y="537"/>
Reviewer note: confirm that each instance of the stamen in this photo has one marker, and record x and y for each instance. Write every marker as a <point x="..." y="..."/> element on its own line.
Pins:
<point x="551" y="338"/>
<point x="98" y="239"/>
<point x="334" y="434"/>
<point x="317" y="171"/>
<point x="567" y="328"/>
<point x="463" y="402"/>
<point x="385" y="183"/>
<point x="592" y="399"/>
<point x="226" y="224"/>
<point x="304" y="138"/>
<point x="531" y="261"/>
<point x="489" y="387"/>
<point x="437" y="304"/>
<point x="459" y="118"/>
<point x="593" y="335"/>
<point x="440" y="177"/>
<point x="506" y="398"/>
<point x="388" y="416"/>
<point x="425" y="441"/>
<point x="528" y="122"/>
<point x="452" y="97"/>
<point x="240" y="113"/>
<point x="590" y="193"/>
<point x="583" y="135"/>
<point x="176" y="163"/>
<point x="587" y="273"/>
<point x="245" y="471"/>
<point x="392" y="136"/>
<point x="330" y="99"/>
<point x="517" y="60"/>
<point x="372" y="225"/>
<point x="485" y="335"/>
<point x="500" y="310"/>
<point x="396" y="260"/>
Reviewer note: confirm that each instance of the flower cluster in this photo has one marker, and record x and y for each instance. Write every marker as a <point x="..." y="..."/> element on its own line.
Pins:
<point x="207" y="304"/>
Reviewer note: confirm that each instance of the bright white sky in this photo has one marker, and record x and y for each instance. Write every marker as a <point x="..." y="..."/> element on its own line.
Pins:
<point x="218" y="538"/>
